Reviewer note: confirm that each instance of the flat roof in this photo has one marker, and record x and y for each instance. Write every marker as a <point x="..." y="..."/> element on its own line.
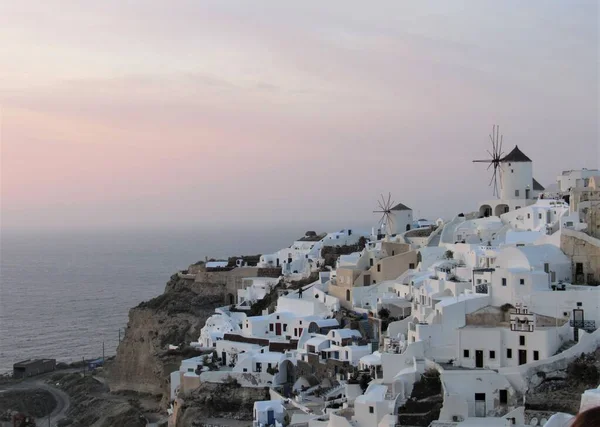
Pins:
<point x="32" y="361"/>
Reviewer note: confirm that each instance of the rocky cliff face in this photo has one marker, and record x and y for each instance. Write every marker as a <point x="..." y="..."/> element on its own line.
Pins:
<point x="143" y="362"/>
<point x="228" y="401"/>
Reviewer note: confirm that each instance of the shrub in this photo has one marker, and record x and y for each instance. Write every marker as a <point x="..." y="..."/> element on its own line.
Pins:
<point x="583" y="370"/>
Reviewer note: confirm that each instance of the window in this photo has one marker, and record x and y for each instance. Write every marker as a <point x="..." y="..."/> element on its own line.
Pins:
<point x="285" y="327"/>
<point x="521" y="339"/>
<point x="371" y="262"/>
<point x="503" y="397"/>
<point x="348" y="295"/>
<point x="480" y="396"/>
<point x="393" y="253"/>
<point x="492" y="354"/>
<point x="528" y="216"/>
<point x="517" y="207"/>
<point x="536" y="355"/>
<point x="504" y="281"/>
<point x="546" y="267"/>
<point x="465" y="353"/>
<point x="579" y="304"/>
<point x="479" y="281"/>
<point x="371" y="410"/>
<point x="271" y="327"/>
<point x="540" y="216"/>
<point x="521" y="281"/>
<point x="516" y="193"/>
<point x="509" y="353"/>
<point x="378" y="268"/>
<point x="411" y="265"/>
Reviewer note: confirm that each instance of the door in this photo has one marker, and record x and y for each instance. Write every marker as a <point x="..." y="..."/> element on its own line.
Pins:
<point x="479" y="358"/>
<point x="223" y="358"/>
<point x="522" y="357"/>
<point x="480" y="404"/>
<point x="277" y="328"/>
<point x="270" y="417"/>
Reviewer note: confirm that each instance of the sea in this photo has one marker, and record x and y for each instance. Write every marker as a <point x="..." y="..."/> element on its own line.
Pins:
<point x="66" y="294"/>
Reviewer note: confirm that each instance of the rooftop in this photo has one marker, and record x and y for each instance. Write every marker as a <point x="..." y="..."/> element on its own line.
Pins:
<point x="401" y="207"/>
<point x="515" y="155"/>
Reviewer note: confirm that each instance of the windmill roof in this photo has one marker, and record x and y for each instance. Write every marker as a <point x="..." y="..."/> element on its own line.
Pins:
<point x="515" y="155"/>
<point x="401" y="207"/>
<point x="537" y="186"/>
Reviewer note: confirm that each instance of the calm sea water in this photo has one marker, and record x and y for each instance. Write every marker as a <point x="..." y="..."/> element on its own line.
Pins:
<point x="63" y="294"/>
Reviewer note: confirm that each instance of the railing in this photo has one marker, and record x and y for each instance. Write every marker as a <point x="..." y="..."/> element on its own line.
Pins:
<point x="522" y="327"/>
<point x="587" y="325"/>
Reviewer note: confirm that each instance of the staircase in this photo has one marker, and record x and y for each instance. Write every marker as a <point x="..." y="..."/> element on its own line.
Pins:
<point x="335" y="390"/>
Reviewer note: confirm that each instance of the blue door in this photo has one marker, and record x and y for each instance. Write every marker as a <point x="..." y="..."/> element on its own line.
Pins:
<point x="270" y="417"/>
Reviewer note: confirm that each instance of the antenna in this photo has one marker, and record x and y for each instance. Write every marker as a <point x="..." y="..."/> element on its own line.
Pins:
<point x="385" y="208"/>
<point x="496" y="157"/>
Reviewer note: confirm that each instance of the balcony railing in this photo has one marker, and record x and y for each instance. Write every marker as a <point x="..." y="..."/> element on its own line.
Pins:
<point x="586" y="325"/>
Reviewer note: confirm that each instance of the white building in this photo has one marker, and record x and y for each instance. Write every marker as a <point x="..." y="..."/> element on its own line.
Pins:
<point x="254" y="289"/>
<point x="215" y="327"/>
<point x="575" y="178"/>
<point x="401" y="219"/>
<point x="517" y="186"/>
<point x="268" y="412"/>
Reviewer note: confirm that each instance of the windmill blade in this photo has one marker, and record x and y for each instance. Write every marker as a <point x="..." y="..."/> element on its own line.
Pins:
<point x="493" y="177"/>
<point x="500" y="149"/>
<point x="483" y="161"/>
<point x="490" y="165"/>
<point x="381" y="206"/>
<point x="500" y="174"/>
<point x="389" y="198"/>
<point x="382" y="220"/>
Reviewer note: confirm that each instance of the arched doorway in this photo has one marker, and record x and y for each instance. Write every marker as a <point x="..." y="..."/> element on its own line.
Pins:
<point x="501" y="209"/>
<point x="407" y="227"/>
<point x="230" y="299"/>
<point x="485" y="211"/>
<point x="287" y="373"/>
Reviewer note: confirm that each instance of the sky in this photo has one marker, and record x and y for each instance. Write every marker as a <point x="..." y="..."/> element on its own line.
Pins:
<point x="220" y="113"/>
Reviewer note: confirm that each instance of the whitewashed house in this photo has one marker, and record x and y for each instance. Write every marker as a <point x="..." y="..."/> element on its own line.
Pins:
<point x="215" y="327"/>
<point x="268" y="412"/>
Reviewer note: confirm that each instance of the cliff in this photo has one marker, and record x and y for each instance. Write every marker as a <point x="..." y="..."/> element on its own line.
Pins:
<point x="143" y="363"/>
<point x="228" y="401"/>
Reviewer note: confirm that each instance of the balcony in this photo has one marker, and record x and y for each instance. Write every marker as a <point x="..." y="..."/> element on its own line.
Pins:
<point x="586" y="325"/>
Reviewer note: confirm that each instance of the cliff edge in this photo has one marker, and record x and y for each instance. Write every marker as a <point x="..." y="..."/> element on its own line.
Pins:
<point x="143" y="362"/>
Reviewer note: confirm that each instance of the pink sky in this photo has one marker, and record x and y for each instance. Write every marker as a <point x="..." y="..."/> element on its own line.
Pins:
<point x="232" y="112"/>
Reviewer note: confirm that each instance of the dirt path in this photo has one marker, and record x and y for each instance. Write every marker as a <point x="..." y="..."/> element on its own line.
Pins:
<point x="61" y="398"/>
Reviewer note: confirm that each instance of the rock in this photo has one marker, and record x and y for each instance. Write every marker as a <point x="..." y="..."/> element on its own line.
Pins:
<point x="143" y="362"/>
<point x="233" y="402"/>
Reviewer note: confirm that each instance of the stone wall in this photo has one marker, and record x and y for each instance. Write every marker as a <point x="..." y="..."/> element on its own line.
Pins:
<point x="313" y="367"/>
<point x="584" y="249"/>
